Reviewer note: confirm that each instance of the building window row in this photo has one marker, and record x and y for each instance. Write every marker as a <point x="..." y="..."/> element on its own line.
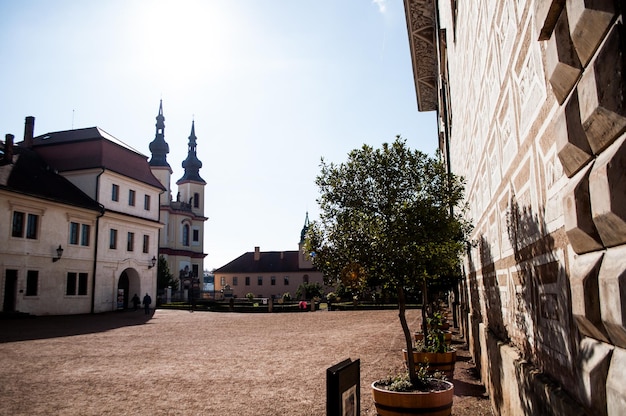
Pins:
<point x="115" y="196"/>
<point x="32" y="280"/>
<point x="76" y="284"/>
<point x="130" y="241"/>
<point x="259" y="280"/>
<point x="26" y="225"/>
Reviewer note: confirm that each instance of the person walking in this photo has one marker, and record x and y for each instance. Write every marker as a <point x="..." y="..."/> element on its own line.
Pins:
<point x="135" y="301"/>
<point x="147" y="300"/>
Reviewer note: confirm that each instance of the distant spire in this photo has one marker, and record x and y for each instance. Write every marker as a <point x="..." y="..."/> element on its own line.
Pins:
<point x="305" y="228"/>
<point x="159" y="147"/>
<point x="192" y="165"/>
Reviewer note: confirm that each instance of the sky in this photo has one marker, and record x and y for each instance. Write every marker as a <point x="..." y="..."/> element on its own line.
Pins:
<point x="273" y="86"/>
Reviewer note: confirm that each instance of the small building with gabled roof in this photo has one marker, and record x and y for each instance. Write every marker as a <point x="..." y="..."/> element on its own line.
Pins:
<point x="268" y="274"/>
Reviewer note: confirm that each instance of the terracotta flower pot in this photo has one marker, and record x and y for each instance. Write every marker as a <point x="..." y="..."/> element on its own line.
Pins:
<point x="432" y="403"/>
<point x="437" y="361"/>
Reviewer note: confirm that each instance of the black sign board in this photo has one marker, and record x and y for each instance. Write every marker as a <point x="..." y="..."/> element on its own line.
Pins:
<point x="343" y="389"/>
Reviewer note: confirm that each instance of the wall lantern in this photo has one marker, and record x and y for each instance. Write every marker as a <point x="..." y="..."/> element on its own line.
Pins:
<point x="152" y="262"/>
<point x="59" y="254"/>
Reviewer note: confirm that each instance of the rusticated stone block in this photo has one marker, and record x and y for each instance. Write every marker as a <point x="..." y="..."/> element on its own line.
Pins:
<point x="612" y="282"/>
<point x="595" y="359"/>
<point x="601" y="93"/>
<point x="573" y="148"/>
<point x="607" y="190"/>
<point x="584" y="270"/>
<point x="615" y="382"/>
<point x="562" y="62"/>
<point x="547" y="13"/>
<point x="579" y="225"/>
<point x="588" y="21"/>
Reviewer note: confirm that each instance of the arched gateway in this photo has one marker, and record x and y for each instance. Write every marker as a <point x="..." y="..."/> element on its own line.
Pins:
<point x="127" y="285"/>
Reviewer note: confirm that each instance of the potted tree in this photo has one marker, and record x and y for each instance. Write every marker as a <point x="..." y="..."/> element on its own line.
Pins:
<point x="387" y="221"/>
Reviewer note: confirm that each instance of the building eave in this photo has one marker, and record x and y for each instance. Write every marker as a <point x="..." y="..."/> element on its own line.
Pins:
<point x="421" y="28"/>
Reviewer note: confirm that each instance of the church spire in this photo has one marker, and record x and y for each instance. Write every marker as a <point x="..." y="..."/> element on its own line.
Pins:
<point x="159" y="147"/>
<point x="192" y="165"/>
<point x="305" y="228"/>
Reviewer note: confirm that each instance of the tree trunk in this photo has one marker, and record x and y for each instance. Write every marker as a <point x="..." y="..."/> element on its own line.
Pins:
<point x="424" y="312"/>
<point x="410" y="362"/>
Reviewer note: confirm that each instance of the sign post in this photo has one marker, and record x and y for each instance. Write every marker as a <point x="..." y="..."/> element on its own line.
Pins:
<point x="343" y="389"/>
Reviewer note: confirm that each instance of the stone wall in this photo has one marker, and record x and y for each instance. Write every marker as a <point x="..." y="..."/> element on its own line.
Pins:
<point x="534" y="94"/>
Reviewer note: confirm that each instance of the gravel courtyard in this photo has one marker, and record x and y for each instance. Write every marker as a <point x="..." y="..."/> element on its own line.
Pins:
<point x="180" y="363"/>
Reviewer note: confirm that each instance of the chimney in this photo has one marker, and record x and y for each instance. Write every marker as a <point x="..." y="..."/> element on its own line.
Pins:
<point x="257" y="253"/>
<point x="8" y="149"/>
<point x="29" y="130"/>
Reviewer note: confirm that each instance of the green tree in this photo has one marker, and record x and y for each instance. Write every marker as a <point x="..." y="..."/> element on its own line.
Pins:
<point x="164" y="277"/>
<point x="387" y="221"/>
<point x="309" y="291"/>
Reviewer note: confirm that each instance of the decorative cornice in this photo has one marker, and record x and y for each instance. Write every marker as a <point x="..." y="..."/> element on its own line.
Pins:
<point x="421" y="26"/>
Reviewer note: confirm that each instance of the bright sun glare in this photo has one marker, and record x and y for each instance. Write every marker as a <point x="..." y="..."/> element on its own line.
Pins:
<point x="181" y="40"/>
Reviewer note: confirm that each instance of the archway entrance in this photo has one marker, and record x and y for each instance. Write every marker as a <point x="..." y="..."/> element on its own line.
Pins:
<point x="122" y="291"/>
<point x="128" y="285"/>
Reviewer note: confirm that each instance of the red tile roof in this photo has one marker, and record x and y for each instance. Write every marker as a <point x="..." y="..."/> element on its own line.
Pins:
<point x="90" y="148"/>
<point x="269" y="262"/>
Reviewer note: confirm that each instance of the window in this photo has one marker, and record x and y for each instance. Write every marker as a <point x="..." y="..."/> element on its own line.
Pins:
<point x="146" y="243"/>
<point x="31" y="226"/>
<point x="195" y="269"/>
<point x="185" y="235"/>
<point x="76" y="284"/>
<point x="273" y="280"/>
<point x="113" y="239"/>
<point x="260" y="280"/>
<point x="130" y="242"/>
<point x="32" y="281"/>
<point x="146" y="202"/>
<point x="18" y="226"/>
<point x="84" y="234"/>
<point x="131" y="197"/>
<point x="247" y="280"/>
<point x="79" y="232"/>
<point x="286" y="281"/>
<point x="196" y="200"/>
<point x="223" y="281"/>
<point x="73" y="233"/>
<point x="196" y="236"/>
<point x="115" y="193"/>
<point x="235" y="280"/>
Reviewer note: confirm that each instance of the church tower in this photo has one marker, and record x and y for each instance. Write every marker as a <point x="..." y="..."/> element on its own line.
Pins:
<point x="181" y="239"/>
<point x="158" y="164"/>
<point x="304" y="259"/>
<point x="191" y="185"/>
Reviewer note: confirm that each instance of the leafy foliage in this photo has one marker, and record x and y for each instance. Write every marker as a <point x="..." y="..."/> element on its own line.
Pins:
<point x="387" y="221"/>
<point x="310" y="291"/>
<point x="424" y="380"/>
<point x="164" y="277"/>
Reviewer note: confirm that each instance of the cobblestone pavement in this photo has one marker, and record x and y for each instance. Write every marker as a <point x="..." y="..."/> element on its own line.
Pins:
<point x="180" y="363"/>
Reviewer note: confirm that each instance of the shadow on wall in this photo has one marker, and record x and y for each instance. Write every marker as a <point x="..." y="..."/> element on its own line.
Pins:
<point x="527" y="304"/>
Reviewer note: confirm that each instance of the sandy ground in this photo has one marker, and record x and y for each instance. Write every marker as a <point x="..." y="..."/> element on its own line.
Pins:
<point x="202" y="363"/>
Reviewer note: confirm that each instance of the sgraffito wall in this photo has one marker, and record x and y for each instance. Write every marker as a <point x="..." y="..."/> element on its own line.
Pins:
<point x="532" y="112"/>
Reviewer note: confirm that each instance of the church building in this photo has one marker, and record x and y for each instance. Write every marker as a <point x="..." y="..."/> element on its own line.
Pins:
<point x="181" y="239"/>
